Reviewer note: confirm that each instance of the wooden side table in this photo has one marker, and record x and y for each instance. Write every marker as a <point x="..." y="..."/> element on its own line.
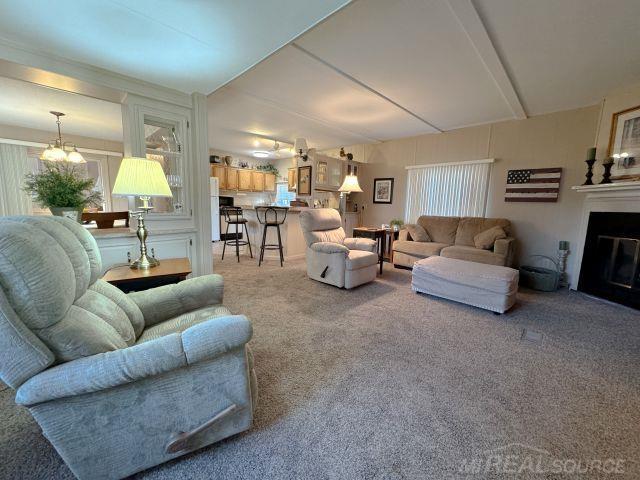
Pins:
<point x="377" y="234"/>
<point x="170" y="270"/>
<point x="392" y="236"/>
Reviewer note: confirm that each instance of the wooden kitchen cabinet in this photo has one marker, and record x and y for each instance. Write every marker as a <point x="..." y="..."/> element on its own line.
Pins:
<point x="232" y="178"/>
<point x="292" y="179"/>
<point x="220" y="172"/>
<point x="269" y="182"/>
<point x="245" y="183"/>
<point x="257" y="181"/>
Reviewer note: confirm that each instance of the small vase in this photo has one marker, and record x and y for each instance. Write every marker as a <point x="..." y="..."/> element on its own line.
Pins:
<point x="67" y="212"/>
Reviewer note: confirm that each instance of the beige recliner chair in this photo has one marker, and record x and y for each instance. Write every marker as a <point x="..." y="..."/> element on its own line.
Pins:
<point x="332" y="258"/>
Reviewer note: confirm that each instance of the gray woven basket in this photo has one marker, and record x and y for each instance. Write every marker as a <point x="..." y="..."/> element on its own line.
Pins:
<point x="540" y="278"/>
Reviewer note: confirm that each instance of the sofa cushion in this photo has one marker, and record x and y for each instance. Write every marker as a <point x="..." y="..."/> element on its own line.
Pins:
<point x="358" y="259"/>
<point x="473" y="254"/>
<point x="417" y="233"/>
<point x="440" y="229"/>
<point x="486" y="239"/>
<point x="419" y="249"/>
<point x="180" y="323"/>
<point x="469" y="227"/>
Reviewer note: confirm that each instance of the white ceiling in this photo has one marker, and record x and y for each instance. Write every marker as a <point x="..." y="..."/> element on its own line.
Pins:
<point x="190" y="46"/>
<point x="27" y="105"/>
<point x="372" y="71"/>
<point x="380" y="69"/>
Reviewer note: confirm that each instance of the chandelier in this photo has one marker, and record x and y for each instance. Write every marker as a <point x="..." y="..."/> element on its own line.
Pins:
<point x="55" y="151"/>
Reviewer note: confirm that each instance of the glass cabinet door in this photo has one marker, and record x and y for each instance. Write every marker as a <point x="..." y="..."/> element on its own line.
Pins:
<point x="163" y="143"/>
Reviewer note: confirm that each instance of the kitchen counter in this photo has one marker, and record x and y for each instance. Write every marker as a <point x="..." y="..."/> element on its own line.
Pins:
<point x="293" y="242"/>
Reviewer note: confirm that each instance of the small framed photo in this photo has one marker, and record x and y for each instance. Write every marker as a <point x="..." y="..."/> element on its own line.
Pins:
<point x="304" y="180"/>
<point x="383" y="190"/>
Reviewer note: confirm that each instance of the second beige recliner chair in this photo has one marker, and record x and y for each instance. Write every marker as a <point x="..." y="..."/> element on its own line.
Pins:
<point x="331" y="257"/>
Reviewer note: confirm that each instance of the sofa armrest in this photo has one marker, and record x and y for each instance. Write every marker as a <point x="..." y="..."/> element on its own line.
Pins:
<point x="329" y="247"/>
<point x="506" y="248"/>
<point x="403" y="235"/>
<point x="366" y="244"/>
<point x="162" y="303"/>
<point x="203" y="341"/>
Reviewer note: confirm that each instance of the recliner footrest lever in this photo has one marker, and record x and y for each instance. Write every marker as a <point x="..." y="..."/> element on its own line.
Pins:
<point x="180" y="441"/>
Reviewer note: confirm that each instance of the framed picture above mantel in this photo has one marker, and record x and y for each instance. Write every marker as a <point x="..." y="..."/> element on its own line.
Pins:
<point x="383" y="190"/>
<point x="624" y="144"/>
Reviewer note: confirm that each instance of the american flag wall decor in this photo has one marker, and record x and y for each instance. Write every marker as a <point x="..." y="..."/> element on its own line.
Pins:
<point x="533" y="185"/>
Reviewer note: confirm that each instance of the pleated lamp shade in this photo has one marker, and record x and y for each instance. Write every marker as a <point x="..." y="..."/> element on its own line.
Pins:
<point x="350" y="183"/>
<point x="143" y="177"/>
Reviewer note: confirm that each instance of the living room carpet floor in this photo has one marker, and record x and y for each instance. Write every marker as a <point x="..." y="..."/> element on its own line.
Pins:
<point x="383" y="383"/>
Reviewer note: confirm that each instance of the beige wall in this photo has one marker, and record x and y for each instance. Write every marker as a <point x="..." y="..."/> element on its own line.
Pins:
<point x="554" y="140"/>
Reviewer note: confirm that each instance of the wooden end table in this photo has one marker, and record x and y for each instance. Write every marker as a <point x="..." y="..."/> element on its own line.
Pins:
<point x="377" y="234"/>
<point x="170" y="270"/>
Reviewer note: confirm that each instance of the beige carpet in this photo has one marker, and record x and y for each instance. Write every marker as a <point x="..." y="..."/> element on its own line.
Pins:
<point x="382" y="383"/>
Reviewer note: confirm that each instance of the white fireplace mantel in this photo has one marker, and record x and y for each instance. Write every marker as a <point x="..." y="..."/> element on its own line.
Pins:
<point x="621" y="197"/>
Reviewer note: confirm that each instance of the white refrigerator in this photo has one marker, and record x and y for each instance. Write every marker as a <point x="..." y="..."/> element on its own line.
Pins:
<point x="215" y="209"/>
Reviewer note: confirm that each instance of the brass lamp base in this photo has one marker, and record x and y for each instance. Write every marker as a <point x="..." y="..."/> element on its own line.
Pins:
<point x="144" y="262"/>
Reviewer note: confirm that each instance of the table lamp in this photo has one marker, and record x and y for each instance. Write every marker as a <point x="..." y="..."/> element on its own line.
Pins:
<point x="143" y="178"/>
<point x="349" y="185"/>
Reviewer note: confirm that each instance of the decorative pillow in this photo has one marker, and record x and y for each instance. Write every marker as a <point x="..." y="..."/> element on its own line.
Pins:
<point x="486" y="239"/>
<point x="418" y="234"/>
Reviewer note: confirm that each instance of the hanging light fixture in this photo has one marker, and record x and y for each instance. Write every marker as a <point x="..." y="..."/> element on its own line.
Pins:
<point x="55" y="151"/>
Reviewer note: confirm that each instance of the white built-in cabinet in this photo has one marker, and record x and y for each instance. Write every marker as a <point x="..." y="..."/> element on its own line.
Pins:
<point x="329" y="173"/>
<point x="162" y="131"/>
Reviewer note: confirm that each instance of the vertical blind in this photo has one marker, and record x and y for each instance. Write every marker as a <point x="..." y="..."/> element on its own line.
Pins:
<point x="456" y="189"/>
<point x="14" y="165"/>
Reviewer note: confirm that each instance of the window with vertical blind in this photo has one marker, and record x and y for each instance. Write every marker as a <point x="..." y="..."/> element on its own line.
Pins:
<point x="448" y="189"/>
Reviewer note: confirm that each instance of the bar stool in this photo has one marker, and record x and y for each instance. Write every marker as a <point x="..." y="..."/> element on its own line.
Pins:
<point x="234" y="216"/>
<point x="271" y="217"/>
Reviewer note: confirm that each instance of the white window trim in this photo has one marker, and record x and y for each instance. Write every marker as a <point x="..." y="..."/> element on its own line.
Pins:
<point x="451" y="164"/>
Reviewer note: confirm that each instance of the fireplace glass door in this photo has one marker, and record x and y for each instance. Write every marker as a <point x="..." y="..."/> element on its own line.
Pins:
<point x="611" y="260"/>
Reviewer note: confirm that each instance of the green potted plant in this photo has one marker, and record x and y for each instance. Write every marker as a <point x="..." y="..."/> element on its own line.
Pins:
<point x="396" y="224"/>
<point x="62" y="188"/>
<point x="268" y="168"/>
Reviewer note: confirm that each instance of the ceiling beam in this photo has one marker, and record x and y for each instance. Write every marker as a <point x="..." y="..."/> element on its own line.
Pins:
<point x="477" y="34"/>
<point x="363" y="85"/>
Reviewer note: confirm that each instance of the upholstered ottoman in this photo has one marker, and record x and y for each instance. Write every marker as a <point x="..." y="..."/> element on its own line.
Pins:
<point x="486" y="286"/>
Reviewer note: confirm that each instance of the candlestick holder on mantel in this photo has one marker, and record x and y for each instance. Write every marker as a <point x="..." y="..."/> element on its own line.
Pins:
<point x="591" y="159"/>
<point x="589" y="174"/>
<point x="606" y="176"/>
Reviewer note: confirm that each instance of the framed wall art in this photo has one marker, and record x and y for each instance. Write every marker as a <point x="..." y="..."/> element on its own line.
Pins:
<point x="304" y="180"/>
<point x="383" y="190"/>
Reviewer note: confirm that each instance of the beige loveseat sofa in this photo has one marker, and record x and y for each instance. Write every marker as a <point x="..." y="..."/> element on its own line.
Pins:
<point x="453" y="237"/>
